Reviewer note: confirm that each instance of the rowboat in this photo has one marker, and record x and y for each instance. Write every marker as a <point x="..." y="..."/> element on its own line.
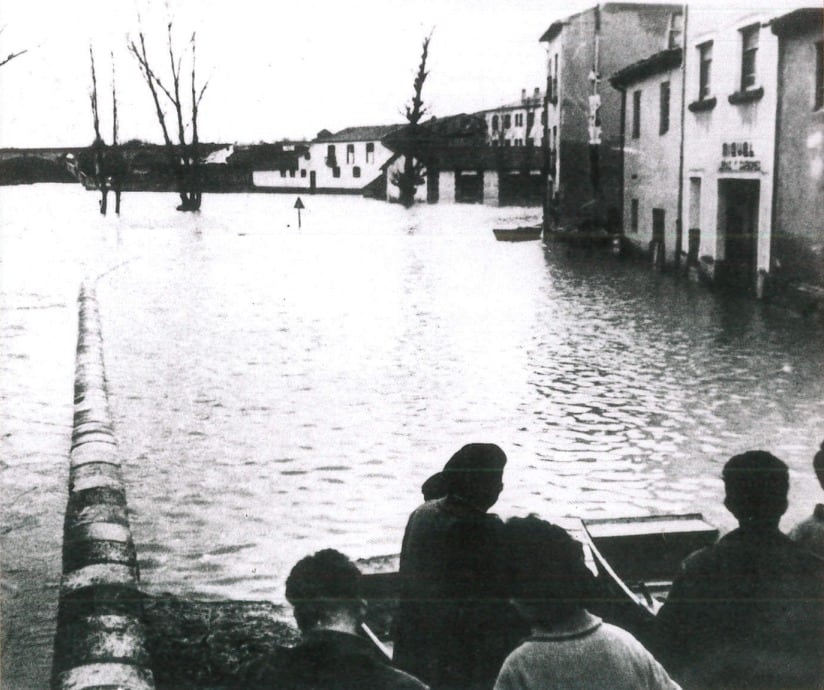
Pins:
<point x="634" y="560"/>
<point x="519" y="234"/>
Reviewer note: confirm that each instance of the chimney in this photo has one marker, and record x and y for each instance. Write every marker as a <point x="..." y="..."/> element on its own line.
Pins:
<point x="523" y="95"/>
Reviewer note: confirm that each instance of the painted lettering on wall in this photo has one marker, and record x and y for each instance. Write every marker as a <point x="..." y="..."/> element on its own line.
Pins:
<point x="740" y="165"/>
<point x="737" y="149"/>
<point x="737" y="156"/>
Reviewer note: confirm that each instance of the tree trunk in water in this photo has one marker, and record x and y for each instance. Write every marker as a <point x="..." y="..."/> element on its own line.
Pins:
<point x="104" y="200"/>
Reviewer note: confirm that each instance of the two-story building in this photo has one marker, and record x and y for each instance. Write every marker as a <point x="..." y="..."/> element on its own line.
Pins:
<point x="583" y="111"/>
<point x="347" y="162"/>
<point x="651" y="144"/>
<point x="516" y="124"/>
<point x="731" y="80"/>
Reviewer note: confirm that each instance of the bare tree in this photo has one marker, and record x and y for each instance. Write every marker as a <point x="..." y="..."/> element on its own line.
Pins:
<point x="103" y="165"/>
<point x="183" y="157"/>
<point x="413" y="173"/>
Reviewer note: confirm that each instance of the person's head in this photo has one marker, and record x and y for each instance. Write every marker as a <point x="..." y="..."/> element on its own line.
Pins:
<point x="818" y="465"/>
<point x="323" y="590"/>
<point x="434" y="487"/>
<point x="756" y="485"/>
<point x="548" y="578"/>
<point x="475" y="473"/>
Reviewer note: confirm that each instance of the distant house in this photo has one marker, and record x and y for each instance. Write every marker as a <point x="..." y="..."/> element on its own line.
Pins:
<point x="350" y="161"/>
<point x="461" y="165"/>
<point x="651" y="144"/>
<point x="516" y="124"/>
<point x="583" y="112"/>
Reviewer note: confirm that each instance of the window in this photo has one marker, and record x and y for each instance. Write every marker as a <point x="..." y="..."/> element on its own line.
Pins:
<point x="507" y="121"/>
<point x="370" y="152"/>
<point x="519" y="119"/>
<point x="292" y="172"/>
<point x="356" y="171"/>
<point x="749" y="43"/>
<point x="664" y="116"/>
<point x="350" y="153"/>
<point x="819" y="75"/>
<point x="555" y="137"/>
<point x="494" y="123"/>
<point x="303" y="172"/>
<point x="283" y="173"/>
<point x="530" y="120"/>
<point x="335" y="171"/>
<point x="636" y="114"/>
<point x="519" y="142"/>
<point x="674" y="31"/>
<point x="633" y="215"/>
<point x="705" y="66"/>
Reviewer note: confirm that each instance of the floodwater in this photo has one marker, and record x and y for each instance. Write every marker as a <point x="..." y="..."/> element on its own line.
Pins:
<point x="278" y="390"/>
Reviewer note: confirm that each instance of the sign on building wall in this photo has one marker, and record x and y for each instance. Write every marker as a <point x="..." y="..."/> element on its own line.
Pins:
<point x="739" y="156"/>
<point x="595" y="119"/>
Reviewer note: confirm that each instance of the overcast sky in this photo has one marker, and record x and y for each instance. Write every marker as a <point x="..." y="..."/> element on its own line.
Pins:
<point x="275" y="69"/>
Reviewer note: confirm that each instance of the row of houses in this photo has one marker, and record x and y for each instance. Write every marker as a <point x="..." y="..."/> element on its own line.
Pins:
<point x="701" y="139"/>
<point x="492" y="157"/>
<point x="696" y="133"/>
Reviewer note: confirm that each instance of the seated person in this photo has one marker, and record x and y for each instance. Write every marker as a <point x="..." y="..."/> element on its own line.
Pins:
<point x="748" y="611"/>
<point x="323" y="590"/>
<point x="569" y="647"/>
<point x="810" y="532"/>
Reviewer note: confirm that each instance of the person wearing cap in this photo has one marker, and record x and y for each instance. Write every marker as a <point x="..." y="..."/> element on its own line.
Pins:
<point x="324" y="592"/>
<point x="748" y="611"/>
<point x="809" y="533"/>
<point x="454" y="625"/>
<point x="568" y="647"/>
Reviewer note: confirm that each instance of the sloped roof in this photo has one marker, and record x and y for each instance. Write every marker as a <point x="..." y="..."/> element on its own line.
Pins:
<point x="363" y="133"/>
<point x="654" y="64"/>
<point x="531" y="101"/>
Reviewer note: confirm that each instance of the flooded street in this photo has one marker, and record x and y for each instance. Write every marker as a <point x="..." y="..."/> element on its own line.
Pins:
<point x="276" y="391"/>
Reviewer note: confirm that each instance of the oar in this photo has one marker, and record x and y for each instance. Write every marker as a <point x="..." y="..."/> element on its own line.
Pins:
<point x="375" y="641"/>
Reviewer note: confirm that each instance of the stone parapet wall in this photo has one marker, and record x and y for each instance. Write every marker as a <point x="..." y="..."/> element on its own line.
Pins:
<point x="100" y="639"/>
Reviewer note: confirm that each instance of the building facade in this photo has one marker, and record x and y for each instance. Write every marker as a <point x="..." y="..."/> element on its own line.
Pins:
<point x="651" y="116"/>
<point x="583" y="111"/>
<point x="731" y="71"/>
<point x="798" y="230"/>
<point x="516" y="124"/>
<point x="349" y="161"/>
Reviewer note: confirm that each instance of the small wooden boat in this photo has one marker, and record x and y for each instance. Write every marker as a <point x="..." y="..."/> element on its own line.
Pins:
<point x="519" y="234"/>
<point x="634" y="560"/>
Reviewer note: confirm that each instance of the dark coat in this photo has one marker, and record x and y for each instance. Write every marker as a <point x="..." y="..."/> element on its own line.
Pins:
<point x="747" y="612"/>
<point x="454" y="626"/>
<point x="327" y="660"/>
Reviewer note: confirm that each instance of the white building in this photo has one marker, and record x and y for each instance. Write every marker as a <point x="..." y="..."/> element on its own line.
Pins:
<point x="731" y="66"/>
<point x="651" y="113"/>
<point x="349" y="161"/>
<point x="516" y="124"/>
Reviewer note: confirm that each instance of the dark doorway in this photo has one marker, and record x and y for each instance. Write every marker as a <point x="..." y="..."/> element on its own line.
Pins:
<point x="469" y="187"/>
<point x="657" y="246"/>
<point x="520" y="188"/>
<point x="738" y="231"/>
<point x="312" y="181"/>
<point x="433" y="186"/>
